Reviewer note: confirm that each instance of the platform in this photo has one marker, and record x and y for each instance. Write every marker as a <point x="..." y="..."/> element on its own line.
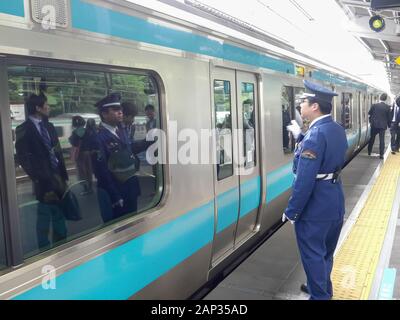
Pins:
<point x="367" y="256"/>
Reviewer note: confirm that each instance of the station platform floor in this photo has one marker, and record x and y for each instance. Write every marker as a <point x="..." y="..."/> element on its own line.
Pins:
<point x="368" y="252"/>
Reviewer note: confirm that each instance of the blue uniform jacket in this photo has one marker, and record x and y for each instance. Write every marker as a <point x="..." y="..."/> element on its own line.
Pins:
<point x="108" y="143"/>
<point x="321" y="151"/>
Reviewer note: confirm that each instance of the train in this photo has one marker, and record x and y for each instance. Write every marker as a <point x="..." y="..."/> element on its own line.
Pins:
<point x="196" y="220"/>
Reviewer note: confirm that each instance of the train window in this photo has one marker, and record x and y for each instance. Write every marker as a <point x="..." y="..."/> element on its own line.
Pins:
<point x="286" y="98"/>
<point x="347" y="107"/>
<point x="290" y="104"/>
<point x="249" y="128"/>
<point x="223" y="128"/>
<point x="79" y="168"/>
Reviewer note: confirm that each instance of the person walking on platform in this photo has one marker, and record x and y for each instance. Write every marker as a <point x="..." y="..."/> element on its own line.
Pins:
<point x="379" y="118"/>
<point x="394" y="126"/>
<point x="316" y="207"/>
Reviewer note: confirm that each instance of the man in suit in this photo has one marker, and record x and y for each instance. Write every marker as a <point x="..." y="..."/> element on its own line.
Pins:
<point x="39" y="153"/>
<point x="394" y="126"/>
<point x="379" y="118"/>
<point x="316" y="206"/>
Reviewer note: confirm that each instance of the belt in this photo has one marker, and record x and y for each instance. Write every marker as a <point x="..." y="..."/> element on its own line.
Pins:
<point x="323" y="176"/>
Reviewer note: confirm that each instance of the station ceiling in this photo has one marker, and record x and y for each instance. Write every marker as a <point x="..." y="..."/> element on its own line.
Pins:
<point x="384" y="45"/>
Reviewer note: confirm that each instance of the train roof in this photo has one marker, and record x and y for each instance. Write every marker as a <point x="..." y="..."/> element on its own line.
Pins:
<point x="230" y="30"/>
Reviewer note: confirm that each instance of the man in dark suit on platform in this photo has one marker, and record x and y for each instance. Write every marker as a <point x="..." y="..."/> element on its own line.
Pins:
<point x="39" y="153"/>
<point x="379" y="118"/>
<point x="394" y="126"/>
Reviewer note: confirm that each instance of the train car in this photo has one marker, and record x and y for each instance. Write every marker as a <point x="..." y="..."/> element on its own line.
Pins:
<point x="194" y="219"/>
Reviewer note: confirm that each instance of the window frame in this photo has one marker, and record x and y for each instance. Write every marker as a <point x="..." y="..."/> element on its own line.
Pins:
<point x="13" y="237"/>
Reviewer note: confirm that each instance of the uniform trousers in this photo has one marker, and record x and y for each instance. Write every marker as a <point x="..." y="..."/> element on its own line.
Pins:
<point x="317" y="242"/>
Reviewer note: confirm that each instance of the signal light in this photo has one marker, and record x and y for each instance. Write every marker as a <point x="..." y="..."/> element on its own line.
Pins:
<point x="377" y="23"/>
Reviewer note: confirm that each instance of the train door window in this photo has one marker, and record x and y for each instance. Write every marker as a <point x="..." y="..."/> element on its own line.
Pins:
<point x="79" y="168"/>
<point x="249" y="128"/>
<point x="287" y="106"/>
<point x="347" y="107"/>
<point x="290" y="104"/>
<point x="364" y="108"/>
<point x="223" y="127"/>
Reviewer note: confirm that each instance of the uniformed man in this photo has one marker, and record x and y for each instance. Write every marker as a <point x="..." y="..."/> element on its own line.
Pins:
<point x="116" y="164"/>
<point x="316" y="206"/>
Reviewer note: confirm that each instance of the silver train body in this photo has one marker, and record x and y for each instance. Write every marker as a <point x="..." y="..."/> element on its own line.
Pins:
<point x="173" y="249"/>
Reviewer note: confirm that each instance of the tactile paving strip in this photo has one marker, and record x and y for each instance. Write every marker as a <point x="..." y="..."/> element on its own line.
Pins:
<point x="356" y="261"/>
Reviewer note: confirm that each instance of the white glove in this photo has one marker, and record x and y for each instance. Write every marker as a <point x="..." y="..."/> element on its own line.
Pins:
<point x="119" y="203"/>
<point x="284" y="218"/>
<point x="294" y="128"/>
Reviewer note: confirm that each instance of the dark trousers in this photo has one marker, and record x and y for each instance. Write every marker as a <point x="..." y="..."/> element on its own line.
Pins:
<point x="50" y="214"/>
<point x="394" y="136"/>
<point x="317" y="242"/>
<point x="381" y="133"/>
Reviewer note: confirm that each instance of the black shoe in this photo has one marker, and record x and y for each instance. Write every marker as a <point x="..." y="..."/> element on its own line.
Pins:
<point x="393" y="152"/>
<point x="304" y="288"/>
<point x="380" y="157"/>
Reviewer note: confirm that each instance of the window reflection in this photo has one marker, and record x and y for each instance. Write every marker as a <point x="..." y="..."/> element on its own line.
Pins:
<point x="223" y="127"/>
<point x="347" y="107"/>
<point x="58" y="147"/>
<point x="249" y="134"/>
<point x="290" y="110"/>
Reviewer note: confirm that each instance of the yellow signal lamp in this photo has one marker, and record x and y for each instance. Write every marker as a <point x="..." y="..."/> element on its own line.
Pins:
<point x="377" y="23"/>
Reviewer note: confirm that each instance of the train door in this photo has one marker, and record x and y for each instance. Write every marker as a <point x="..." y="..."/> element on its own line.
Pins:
<point x="226" y="180"/>
<point x="249" y="166"/>
<point x="234" y="100"/>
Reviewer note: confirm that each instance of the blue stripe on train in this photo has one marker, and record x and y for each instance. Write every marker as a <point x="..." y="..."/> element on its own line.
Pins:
<point x="14" y="7"/>
<point x="121" y="272"/>
<point x="228" y="203"/>
<point x="279" y="181"/>
<point x="90" y="17"/>
<point x="228" y="208"/>
<point x="250" y="196"/>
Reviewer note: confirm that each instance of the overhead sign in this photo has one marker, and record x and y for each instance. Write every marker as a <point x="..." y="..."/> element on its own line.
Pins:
<point x="377" y="23"/>
<point x="384" y="4"/>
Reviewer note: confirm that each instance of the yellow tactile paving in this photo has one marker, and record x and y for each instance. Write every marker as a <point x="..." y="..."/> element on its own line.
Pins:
<point x="356" y="261"/>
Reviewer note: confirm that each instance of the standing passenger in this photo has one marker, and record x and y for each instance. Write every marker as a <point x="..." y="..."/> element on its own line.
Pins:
<point x="151" y="120"/>
<point x="39" y="153"/>
<point x="83" y="162"/>
<point x="379" y="118"/>
<point x="394" y="126"/>
<point x="316" y="206"/>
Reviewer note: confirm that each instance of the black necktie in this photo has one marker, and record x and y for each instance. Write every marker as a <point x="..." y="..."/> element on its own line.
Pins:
<point x="46" y="139"/>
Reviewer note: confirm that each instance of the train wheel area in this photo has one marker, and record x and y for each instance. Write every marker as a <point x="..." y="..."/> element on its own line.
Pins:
<point x="367" y="255"/>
